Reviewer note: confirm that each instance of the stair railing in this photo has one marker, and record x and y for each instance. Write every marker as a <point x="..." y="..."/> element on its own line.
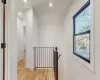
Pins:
<point x="56" y="57"/>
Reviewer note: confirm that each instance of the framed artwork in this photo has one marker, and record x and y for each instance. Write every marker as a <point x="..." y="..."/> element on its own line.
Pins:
<point x="81" y="33"/>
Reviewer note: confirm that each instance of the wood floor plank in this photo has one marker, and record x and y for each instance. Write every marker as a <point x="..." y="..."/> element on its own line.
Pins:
<point x="39" y="74"/>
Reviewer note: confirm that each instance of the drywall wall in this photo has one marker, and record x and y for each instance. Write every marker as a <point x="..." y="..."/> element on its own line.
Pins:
<point x="51" y="22"/>
<point x="20" y="38"/>
<point x="11" y="40"/>
<point x="50" y="31"/>
<point x="73" y="70"/>
<point x="31" y="25"/>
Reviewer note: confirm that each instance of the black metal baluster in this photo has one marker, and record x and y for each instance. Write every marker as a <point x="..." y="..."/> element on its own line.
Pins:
<point x="56" y="64"/>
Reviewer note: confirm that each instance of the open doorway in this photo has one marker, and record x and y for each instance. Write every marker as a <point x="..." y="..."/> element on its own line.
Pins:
<point x="24" y="28"/>
<point x="20" y="39"/>
<point x="21" y="45"/>
<point x="35" y="62"/>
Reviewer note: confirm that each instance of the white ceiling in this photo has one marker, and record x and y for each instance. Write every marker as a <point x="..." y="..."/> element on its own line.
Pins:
<point x="41" y="3"/>
<point x="31" y="3"/>
<point x="60" y="7"/>
<point x="59" y="10"/>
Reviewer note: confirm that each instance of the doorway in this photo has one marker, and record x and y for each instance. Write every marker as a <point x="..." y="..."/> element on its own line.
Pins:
<point x="24" y="28"/>
<point x="21" y="45"/>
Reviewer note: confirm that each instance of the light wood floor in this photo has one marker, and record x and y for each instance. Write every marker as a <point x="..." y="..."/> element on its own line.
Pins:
<point x="41" y="74"/>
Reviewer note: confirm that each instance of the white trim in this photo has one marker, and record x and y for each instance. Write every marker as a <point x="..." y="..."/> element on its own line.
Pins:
<point x="11" y="32"/>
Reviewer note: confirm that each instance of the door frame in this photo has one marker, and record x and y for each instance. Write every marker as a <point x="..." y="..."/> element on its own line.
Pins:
<point x="1" y="55"/>
<point x="11" y="41"/>
<point x="24" y="28"/>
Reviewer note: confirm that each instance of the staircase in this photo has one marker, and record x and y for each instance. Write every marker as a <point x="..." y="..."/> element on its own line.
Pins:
<point x="46" y="58"/>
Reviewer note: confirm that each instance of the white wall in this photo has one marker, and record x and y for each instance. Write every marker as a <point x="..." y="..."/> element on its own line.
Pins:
<point x="11" y="40"/>
<point x="31" y="36"/>
<point x="73" y="70"/>
<point x="20" y="38"/>
<point x="50" y="30"/>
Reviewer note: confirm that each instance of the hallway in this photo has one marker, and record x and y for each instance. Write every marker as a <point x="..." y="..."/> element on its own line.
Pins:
<point x="50" y="40"/>
<point x="27" y="74"/>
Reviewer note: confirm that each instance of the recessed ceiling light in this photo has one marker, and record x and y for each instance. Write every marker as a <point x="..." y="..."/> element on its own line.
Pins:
<point x="50" y="4"/>
<point x="25" y="1"/>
